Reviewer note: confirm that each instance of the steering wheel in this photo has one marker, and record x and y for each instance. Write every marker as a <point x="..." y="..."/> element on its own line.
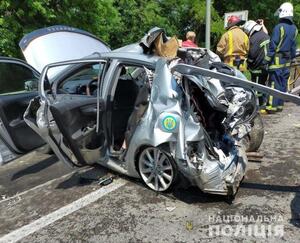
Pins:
<point x="89" y="89"/>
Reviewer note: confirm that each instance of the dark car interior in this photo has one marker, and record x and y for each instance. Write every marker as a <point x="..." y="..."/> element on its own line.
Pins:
<point x="123" y="104"/>
<point x="130" y="93"/>
<point x="80" y="79"/>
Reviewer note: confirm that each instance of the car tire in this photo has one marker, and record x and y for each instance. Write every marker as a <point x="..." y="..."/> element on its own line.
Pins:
<point x="256" y="134"/>
<point x="157" y="169"/>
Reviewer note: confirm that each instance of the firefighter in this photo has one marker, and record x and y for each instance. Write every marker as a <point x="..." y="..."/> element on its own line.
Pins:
<point x="259" y="42"/>
<point x="234" y="44"/>
<point x="282" y="50"/>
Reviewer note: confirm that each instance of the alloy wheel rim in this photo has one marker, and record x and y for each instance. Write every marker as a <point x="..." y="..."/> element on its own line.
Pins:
<point x="156" y="169"/>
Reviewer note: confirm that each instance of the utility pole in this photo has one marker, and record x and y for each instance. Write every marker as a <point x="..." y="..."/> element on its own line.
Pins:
<point x="207" y="27"/>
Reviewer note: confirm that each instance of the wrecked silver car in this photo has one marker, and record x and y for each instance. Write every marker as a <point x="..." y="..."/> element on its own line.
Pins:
<point x="150" y="117"/>
<point x="160" y="114"/>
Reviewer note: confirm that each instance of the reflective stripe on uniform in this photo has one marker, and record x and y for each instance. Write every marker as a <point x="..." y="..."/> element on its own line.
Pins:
<point x="281" y="39"/>
<point x="230" y="47"/>
<point x="277" y="62"/>
<point x="277" y="65"/>
<point x="270" y="106"/>
<point x="264" y="44"/>
<point x="296" y="33"/>
<point x="246" y="40"/>
<point x="267" y="58"/>
<point x="244" y="65"/>
<point x="256" y="71"/>
<point x="271" y="97"/>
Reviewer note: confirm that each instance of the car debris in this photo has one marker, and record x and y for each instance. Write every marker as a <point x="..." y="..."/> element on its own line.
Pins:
<point x="105" y="181"/>
<point x="102" y="181"/>
<point x="170" y="209"/>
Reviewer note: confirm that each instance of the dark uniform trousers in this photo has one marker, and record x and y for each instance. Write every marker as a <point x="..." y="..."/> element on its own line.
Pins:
<point x="260" y="77"/>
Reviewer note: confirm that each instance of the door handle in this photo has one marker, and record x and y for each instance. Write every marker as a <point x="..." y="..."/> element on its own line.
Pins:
<point x="17" y="122"/>
<point x="89" y="111"/>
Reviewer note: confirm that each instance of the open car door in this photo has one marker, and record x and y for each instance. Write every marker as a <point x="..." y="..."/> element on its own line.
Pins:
<point x="18" y="85"/>
<point x="70" y="115"/>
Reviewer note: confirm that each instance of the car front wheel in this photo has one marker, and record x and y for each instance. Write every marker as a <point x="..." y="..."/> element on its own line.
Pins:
<point x="157" y="170"/>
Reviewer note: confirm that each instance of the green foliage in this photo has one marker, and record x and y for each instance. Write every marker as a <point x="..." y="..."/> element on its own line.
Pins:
<point x="296" y="4"/>
<point x="137" y="17"/>
<point x="20" y="17"/>
<point x="119" y="22"/>
<point x="298" y="41"/>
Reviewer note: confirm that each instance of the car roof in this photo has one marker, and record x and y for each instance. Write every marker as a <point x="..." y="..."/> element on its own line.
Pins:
<point x="133" y="52"/>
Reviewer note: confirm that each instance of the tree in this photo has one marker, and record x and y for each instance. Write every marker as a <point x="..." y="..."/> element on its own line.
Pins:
<point x="190" y="15"/>
<point x="137" y="17"/>
<point x="120" y="22"/>
<point x="20" y="17"/>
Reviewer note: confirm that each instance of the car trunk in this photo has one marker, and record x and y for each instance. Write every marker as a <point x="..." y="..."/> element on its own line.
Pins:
<point x="59" y="43"/>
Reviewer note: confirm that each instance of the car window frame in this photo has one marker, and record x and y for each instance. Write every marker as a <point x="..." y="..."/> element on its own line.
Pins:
<point x="61" y="82"/>
<point x="113" y="81"/>
<point x="65" y="74"/>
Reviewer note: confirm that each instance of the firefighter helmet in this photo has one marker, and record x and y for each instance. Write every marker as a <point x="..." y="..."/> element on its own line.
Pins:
<point x="286" y="10"/>
<point x="234" y="20"/>
<point x="251" y="26"/>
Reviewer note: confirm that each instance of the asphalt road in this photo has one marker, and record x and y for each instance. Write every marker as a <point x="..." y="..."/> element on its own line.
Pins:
<point x="45" y="201"/>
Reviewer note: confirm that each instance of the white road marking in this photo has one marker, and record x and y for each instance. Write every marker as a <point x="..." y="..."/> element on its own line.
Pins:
<point x="81" y="170"/>
<point x="36" y="187"/>
<point x="46" y="220"/>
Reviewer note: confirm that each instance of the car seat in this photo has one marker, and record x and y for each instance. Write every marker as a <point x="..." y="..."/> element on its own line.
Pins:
<point x="123" y="105"/>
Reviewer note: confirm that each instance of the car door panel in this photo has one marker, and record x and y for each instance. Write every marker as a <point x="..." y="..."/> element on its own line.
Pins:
<point x="71" y="123"/>
<point x="77" y="120"/>
<point x="12" y="109"/>
<point x="17" y="79"/>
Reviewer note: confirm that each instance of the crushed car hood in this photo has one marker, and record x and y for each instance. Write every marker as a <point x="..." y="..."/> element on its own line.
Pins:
<point x="59" y="43"/>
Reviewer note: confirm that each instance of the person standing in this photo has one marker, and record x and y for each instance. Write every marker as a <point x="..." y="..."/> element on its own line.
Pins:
<point x="282" y="50"/>
<point x="233" y="46"/>
<point x="190" y="40"/>
<point x="258" y="48"/>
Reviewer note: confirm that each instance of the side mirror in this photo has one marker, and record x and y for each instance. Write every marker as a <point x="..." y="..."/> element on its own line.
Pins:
<point x="31" y="85"/>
